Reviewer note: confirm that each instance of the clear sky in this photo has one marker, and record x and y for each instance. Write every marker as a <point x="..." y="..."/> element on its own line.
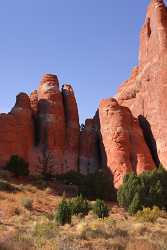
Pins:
<point x="92" y="44"/>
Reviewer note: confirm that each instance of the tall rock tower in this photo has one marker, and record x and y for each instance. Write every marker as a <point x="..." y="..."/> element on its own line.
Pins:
<point x="146" y="90"/>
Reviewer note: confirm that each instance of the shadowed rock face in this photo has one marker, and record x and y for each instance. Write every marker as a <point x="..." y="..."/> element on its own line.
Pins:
<point x="146" y="90"/>
<point x="89" y="160"/>
<point x="124" y="147"/>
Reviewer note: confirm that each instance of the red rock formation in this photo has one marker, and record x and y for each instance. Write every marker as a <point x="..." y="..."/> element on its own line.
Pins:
<point x="145" y="92"/>
<point x="8" y="138"/>
<point x="48" y="123"/>
<point x="16" y="130"/>
<point x="52" y="120"/>
<point x="89" y="153"/>
<point x="34" y="101"/>
<point x="124" y="146"/>
<point x="44" y="124"/>
<point x="71" y="153"/>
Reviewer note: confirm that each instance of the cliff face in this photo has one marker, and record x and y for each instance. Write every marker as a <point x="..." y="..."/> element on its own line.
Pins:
<point x="145" y="92"/>
<point x="71" y="152"/>
<point x="46" y="124"/>
<point x="128" y="132"/>
<point x="122" y="140"/>
<point x="16" y="130"/>
<point x="89" y="157"/>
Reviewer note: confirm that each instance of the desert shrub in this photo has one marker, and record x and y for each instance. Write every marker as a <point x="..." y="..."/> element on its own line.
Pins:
<point x="91" y="185"/>
<point x="63" y="213"/>
<point x="45" y="230"/>
<point x="27" y="203"/>
<point x="128" y="193"/>
<point x="18" y="166"/>
<point x="19" y="241"/>
<point x="79" y="205"/>
<point x="142" y="244"/>
<point x="135" y="205"/>
<point x="148" y="214"/>
<point x="100" y="209"/>
<point x="146" y="190"/>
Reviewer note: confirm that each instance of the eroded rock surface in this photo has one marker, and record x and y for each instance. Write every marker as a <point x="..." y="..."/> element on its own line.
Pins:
<point x="71" y="153"/>
<point x="122" y="139"/>
<point x="16" y="130"/>
<point x="146" y="90"/>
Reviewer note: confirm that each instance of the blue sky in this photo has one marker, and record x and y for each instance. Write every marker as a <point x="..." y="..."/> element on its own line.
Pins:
<point x="92" y="44"/>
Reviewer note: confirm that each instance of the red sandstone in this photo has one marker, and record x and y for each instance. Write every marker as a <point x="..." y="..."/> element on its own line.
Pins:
<point x="128" y="132"/>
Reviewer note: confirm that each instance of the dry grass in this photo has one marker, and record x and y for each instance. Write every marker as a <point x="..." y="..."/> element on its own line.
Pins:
<point x="22" y="229"/>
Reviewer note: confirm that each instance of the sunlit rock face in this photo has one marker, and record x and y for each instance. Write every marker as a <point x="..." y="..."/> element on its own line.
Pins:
<point x="17" y="130"/>
<point x="44" y="124"/>
<point x="51" y="119"/>
<point x="57" y="125"/>
<point x="146" y="90"/>
<point x="122" y="140"/>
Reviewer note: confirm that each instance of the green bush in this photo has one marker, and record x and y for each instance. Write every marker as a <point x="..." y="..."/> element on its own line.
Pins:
<point x="146" y="190"/>
<point x="63" y="213"/>
<point x="18" y="166"/>
<point x="100" y="209"/>
<point x="148" y="214"/>
<point x="27" y="203"/>
<point x="79" y="205"/>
